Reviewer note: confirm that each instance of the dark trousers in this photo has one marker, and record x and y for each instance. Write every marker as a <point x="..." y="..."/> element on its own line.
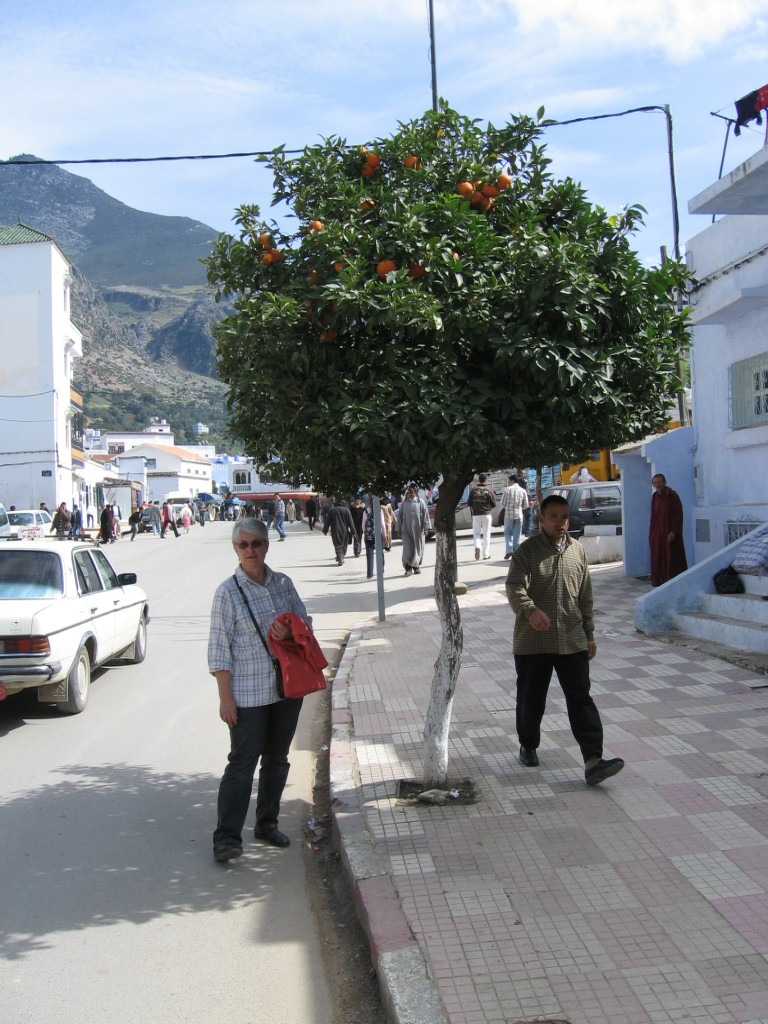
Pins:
<point x="169" y="525"/>
<point x="264" y="732"/>
<point x="534" y="672"/>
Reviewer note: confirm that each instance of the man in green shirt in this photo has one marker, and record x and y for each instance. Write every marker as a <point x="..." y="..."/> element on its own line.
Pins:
<point x="550" y="591"/>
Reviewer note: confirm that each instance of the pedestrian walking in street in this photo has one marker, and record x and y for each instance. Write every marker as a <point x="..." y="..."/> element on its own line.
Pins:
<point x="550" y="591"/>
<point x="133" y="521"/>
<point x="77" y="523"/>
<point x="357" y="510"/>
<point x="106" y="525"/>
<point x="61" y="522"/>
<point x="369" y="536"/>
<point x="389" y="522"/>
<point x="482" y="501"/>
<point x="290" y="510"/>
<point x="413" y="524"/>
<point x="514" y="503"/>
<point x="310" y="508"/>
<point x="341" y="527"/>
<point x="168" y="519"/>
<point x="665" y="536"/>
<point x="279" y="516"/>
<point x="261" y="724"/>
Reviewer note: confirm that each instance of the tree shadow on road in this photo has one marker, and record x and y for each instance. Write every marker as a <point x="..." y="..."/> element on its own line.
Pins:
<point x="111" y="843"/>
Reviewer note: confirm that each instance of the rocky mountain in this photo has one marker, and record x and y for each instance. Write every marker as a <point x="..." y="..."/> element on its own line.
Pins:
<point x="140" y="299"/>
<point x="111" y="243"/>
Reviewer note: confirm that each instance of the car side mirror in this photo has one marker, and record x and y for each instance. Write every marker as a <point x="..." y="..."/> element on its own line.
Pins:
<point x="126" y="579"/>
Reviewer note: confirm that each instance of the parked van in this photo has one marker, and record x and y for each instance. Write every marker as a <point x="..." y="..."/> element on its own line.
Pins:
<point x="5" y="526"/>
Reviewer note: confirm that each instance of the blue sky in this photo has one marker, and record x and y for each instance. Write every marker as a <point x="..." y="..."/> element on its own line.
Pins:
<point x="100" y="78"/>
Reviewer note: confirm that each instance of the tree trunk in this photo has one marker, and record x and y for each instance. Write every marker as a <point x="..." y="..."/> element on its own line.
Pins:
<point x="438" y="721"/>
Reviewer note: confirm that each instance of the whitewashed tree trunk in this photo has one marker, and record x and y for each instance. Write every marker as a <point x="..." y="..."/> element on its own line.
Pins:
<point x="438" y="721"/>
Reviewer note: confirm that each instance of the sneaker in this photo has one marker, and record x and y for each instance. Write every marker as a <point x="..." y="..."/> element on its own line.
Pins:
<point x="477" y="554"/>
<point x="603" y="770"/>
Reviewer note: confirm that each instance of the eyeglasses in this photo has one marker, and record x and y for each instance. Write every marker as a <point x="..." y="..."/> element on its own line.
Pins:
<point x="243" y="544"/>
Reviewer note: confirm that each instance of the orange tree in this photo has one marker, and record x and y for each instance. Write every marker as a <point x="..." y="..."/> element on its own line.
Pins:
<point x="441" y="303"/>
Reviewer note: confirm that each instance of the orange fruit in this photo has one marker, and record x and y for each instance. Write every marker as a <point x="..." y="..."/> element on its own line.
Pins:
<point x="266" y="258"/>
<point x="265" y="241"/>
<point x="476" y="198"/>
<point x="416" y="271"/>
<point x="465" y="188"/>
<point x="328" y="334"/>
<point x="315" y="277"/>
<point x="504" y="181"/>
<point x="367" y="170"/>
<point x="485" y="203"/>
<point x="337" y="266"/>
<point x="384" y="267"/>
<point x="315" y="225"/>
<point x="412" y="163"/>
<point x="367" y="204"/>
<point x="490" y="191"/>
<point x="373" y="160"/>
<point x="456" y="255"/>
<point x="276" y="255"/>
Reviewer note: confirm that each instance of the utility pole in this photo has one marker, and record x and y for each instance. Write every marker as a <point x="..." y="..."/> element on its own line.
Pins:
<point x="432" y="54"/>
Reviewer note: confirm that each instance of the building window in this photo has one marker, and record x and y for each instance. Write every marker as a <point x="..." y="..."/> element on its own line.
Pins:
<point x="748" y="392"/>
<point x="116" y="449"/>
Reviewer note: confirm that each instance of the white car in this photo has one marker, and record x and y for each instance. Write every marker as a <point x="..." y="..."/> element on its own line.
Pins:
<point x="63" y="611"/>
<point x="30" y="523"/>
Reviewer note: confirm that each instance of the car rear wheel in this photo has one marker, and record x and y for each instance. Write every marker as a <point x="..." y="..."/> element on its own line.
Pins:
<point x="137" y="652"/>
<point x="78" y="685"/>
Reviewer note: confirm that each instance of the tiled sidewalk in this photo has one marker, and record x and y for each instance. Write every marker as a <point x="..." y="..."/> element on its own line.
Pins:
<point x="642" y="901"/>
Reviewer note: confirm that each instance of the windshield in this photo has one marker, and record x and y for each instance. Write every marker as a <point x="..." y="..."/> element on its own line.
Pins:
<point x="21" y="518"/>
<point x="30" y="574"/>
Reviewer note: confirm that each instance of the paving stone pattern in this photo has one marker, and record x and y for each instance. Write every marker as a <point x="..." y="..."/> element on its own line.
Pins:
<point x="641" y="901"/>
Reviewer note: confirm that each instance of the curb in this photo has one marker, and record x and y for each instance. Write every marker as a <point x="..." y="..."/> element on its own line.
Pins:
<point x="407" y="990"/>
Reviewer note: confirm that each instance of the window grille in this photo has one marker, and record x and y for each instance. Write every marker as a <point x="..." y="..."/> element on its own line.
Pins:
<point x="748" y="392"/>
<point x="735" y="530"/>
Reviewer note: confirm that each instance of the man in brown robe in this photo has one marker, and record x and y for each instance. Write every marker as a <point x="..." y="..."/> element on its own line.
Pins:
<point x="666" y="533"/>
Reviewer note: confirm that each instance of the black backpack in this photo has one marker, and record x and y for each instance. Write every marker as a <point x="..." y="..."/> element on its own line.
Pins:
<point x="727" y="581"/>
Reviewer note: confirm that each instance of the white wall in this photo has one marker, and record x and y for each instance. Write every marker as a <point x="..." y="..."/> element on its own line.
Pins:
<point x="731" y="465"/>
<point x="38" y="344"/>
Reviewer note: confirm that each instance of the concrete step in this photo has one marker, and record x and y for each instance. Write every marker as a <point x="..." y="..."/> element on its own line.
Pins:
<point x="755" y="584"/>
<point x="744" y="607"/>
<point x="722" y="629"/>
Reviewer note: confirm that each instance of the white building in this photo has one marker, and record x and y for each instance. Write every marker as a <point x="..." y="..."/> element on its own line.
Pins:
<point x="730" y="357"/>
<point x="162" y="469"/>
<point x="727" y="464"/>
<point x="234" y="473"/>
<point x="42" y="450"/>
<point x="114" y="442"/>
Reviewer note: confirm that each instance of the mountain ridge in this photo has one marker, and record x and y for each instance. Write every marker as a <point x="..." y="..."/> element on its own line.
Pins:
<point x="140" y="299"/>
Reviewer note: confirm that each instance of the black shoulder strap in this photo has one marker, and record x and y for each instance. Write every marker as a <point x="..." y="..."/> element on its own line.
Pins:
<point x="257" y="627"/>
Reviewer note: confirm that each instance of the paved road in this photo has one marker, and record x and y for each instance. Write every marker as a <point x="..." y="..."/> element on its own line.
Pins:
<point x="111" y="907"/>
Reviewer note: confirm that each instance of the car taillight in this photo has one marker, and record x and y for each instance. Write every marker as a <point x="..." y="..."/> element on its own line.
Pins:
<point x="25" y="645"/>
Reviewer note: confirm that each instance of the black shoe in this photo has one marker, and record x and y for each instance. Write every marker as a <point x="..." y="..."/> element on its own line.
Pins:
<point x="273" y="836"/>
<point x="224" y="853"/>
<point x="603" y="770"/>
<point x="528" y="758"/>
<point x="408" y="571"/>
<point x="416" y="569"/>
<point x="508" y="555"/>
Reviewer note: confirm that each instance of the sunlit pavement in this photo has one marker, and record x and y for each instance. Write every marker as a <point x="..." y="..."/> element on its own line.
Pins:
<point x="641" y="901"/>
